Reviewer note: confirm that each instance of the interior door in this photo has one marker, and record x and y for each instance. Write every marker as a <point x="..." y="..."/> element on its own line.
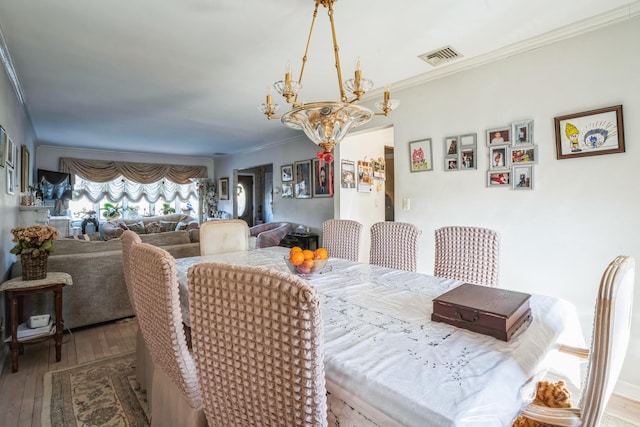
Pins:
<point x="244" y="198"/>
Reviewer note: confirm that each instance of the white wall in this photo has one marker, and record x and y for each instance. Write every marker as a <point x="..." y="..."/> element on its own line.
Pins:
<point x="558" y="238"/>
<point x="366" y="208"/>
<point x="308" y="212"/>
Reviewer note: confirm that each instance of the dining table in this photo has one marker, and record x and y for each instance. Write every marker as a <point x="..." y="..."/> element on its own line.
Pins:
<point x="382" y="348"/>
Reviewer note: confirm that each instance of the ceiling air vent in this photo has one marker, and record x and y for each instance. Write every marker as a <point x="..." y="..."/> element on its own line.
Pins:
<point x="440" y="56"/>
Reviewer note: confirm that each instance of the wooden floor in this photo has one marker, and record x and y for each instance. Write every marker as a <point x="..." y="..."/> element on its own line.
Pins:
<point x="21" y="392"/>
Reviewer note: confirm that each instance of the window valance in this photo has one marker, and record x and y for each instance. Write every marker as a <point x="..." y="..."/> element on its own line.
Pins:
<point x="143" y="173"/>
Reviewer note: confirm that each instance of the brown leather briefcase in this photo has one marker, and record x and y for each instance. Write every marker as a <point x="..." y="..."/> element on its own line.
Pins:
<point x="490" y="311"/>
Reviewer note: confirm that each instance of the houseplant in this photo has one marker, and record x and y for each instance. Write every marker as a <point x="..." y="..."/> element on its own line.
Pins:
<point x="111" y="211"/>
<point x="34" y="244"/>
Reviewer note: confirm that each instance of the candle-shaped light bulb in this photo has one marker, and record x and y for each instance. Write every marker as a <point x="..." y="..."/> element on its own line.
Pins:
<point x="287" y="75"/>
<point x="386" y="92"/>
<point x="358" y="75"/>
<point x="269" y="96"/>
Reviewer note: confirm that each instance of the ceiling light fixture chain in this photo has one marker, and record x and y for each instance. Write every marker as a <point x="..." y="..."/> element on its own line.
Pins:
<point x="326" y="122"/>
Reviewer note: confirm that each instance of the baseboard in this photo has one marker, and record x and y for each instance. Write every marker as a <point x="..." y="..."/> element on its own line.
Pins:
<point x="627" y="390"/>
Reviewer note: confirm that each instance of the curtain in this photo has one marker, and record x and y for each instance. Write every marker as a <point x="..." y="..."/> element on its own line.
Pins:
<point x="120" y="188"/>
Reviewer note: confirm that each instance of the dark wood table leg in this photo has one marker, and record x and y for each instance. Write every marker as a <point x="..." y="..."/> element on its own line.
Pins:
<point x="13" y="302"/>
<point x="57" y="291"/>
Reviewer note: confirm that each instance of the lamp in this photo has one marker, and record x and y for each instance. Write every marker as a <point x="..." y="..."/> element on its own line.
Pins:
<point x="327" y="122"/>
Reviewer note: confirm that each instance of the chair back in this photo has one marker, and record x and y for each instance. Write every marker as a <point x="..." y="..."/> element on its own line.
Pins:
<point x="224" y="235"/>
<point x="470" y="254"/>
<point x="341" y="238"/>
<point x="157" y="302"/>
<point x="394" y="245"/>
<point x="258" y="344"/>
<point x="611" y="332"/>
<point x="128" y="239"/>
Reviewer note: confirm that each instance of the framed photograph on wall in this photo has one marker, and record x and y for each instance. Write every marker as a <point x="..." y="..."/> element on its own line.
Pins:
<point x="3" y="147"/>
<point x="347" y="174"/>
<point x="522" y="154"/>
<point x="223" y="186"/>
<point x="522" y="132"/>
<point x="451" y="163"/>
<point x="302" y="181"/>
<point x="25" y="170"/>
<point x="365" y="176"/>
<point x="286" y="173"/>
<point x="590" y="133"/>
<point x="10" y="179"/>
<point x="10" y="157"/>
<point x="451" y="145"/>
<point x="468" y="140"/>
<point x="499" y="136"/>
<point x="498" y="157"/>
<point x="322" y="179"/>
<point x="287" y="190"/>
<point x="496" y="178"/>
<point x="467" y="158"/>
<point x="522" y="177"/>
<point x="421" y="155"/>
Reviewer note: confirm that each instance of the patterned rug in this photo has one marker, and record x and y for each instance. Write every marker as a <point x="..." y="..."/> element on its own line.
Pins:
<point x="100" y="393"/>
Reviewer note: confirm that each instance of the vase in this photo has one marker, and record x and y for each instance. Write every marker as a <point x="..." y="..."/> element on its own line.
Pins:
<point x="34" y="268"/>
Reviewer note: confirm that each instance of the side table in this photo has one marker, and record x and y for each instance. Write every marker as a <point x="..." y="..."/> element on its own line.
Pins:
<point x="303" y="240"/>
<point x="16" y="289"/>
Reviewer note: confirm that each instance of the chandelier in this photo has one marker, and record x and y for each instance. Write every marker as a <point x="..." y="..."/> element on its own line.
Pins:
<point x="326" y="122"/>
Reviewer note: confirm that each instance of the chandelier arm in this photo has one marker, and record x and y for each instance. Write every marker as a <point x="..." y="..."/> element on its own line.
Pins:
<point x="336" y="51"/>
<point x="306" y="49"/>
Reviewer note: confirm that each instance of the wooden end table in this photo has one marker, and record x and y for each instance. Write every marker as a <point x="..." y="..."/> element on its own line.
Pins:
<point x="16" y="289"/>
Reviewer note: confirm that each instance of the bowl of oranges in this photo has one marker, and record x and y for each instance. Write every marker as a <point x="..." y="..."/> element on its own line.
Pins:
<point x="306" y="262"/>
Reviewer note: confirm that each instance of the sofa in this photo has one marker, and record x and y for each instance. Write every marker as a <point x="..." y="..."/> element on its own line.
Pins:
<point x="148" y="225"/>
<point x="99" y="293"/>
<point x="269" y="234"/>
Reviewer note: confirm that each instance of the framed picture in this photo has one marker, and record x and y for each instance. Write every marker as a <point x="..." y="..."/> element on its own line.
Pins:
<point x="498" y="136"/>
<point x="451" y="145"/>
<point x="468" y="140"/>
<point x="302" y="186"/>
<point x="322" y="179"/>
<point x="451" y="164"/>
<point x="365" y="176"/>
<point x="286" y="172"/>
<point x="421" y="155"/>
<point x="499" y="178"/>
<point x="379" y="168"/>
<point x="223" y="186"/>
<point x="10" y="180"/>
<point x="498" y="157"/>
<point x="25" y="170"/>
<point x="522" y="177"/>
<point x="467" y="158"/>
<point x="287" y="190"/>
<point x="3" y="147"/>
<point x="10" y="157"/>
<point x="590" y="133"/>
<point x="522" y="132"/>
<point x="523" y="154"/>
<point x="347" y="174"/>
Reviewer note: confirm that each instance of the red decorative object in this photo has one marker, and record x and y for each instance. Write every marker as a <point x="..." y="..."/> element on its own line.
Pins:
<point x="327" y="158"/>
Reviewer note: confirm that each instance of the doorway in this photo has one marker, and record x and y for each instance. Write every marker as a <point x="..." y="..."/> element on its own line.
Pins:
<point x="244" y="198"/>
<point x="389" y="188"/>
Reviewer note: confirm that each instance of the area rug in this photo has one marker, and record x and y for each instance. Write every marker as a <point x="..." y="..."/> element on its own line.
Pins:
<point x="100" y="393"/>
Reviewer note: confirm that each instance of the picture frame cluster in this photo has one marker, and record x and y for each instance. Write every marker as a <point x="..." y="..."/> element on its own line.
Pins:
<point x="512" y="155"/>
<point x="306" y="179"/>
<point x="461" y="152"/>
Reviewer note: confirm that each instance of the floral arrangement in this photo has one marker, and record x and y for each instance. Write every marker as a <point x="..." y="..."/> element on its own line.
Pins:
<point x="34" y="240"/>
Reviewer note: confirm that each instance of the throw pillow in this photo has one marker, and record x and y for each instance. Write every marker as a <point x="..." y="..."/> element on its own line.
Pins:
<point x="187" y="226"/>
<point x="168" y="225"/>
<point x="123" y="226"/>
<point x="153" y="227"/>
<point x="137" y="227"/>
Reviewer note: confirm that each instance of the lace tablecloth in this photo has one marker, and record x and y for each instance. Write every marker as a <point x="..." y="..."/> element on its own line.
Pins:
<point x="381" y="345"/>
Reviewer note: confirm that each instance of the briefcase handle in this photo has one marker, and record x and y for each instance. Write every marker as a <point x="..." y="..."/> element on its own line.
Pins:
<point x="462" y="319"/>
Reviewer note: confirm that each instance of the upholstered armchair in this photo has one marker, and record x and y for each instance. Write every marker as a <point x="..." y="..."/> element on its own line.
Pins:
<point x="269" y="234"/>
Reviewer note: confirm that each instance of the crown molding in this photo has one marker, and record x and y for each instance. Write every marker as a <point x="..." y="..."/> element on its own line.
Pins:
<point x="10" y="70"/>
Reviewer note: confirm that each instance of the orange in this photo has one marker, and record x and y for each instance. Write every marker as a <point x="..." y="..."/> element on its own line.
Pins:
<point x="308" y="263"/>
<point x="295" y="249"/>
<point x="296" y="258"/>
<point x="307" y="254"/>
<point x="321" y="253"/>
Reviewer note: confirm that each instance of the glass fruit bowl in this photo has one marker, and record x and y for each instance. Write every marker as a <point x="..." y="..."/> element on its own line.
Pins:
<point x="307" y="268"/>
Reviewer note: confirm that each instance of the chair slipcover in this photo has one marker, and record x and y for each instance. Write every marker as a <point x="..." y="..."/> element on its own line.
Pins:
<point x="341" y="238"/>
<point x="394" y="245"/>
<point x="609" y="342"/>
<point x="258" y="345"/>
<point x="176" y="396"/>
<point x="269" y="234"/>
<point x="223" y="235"/>
<point x="471" y="254"/>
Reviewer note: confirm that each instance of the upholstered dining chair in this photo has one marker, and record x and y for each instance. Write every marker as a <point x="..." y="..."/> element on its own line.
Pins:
<point x="144" y="365"/>
<point x="471" y="254"/>
<point x="258" y="344"/>
<point x="609" y="343"/>
<point x="394" y="245"/>
<point x="223" y="235"/>
<point x="176" y="398"/>
<point x="341" y="238"/>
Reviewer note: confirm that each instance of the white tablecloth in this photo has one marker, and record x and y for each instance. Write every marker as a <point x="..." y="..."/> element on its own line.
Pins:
<point x="381" y="345"/>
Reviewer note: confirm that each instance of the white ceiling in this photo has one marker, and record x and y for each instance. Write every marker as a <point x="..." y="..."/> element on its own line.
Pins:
<point x="185" y="76"/>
